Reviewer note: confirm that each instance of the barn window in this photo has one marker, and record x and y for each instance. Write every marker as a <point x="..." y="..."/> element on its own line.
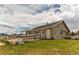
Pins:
<point x="61" y="32"/>
<point x="43" y="32"/>
<point x="36" y="32"/>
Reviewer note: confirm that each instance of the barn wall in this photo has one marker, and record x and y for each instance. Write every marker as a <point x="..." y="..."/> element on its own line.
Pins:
<point x="57" y="32"/>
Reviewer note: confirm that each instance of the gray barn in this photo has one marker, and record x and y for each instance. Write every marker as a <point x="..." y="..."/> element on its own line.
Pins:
<point x="56" y="30"/>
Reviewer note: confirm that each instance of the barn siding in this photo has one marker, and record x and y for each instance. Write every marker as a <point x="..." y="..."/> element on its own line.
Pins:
<point x="57" y="30"/>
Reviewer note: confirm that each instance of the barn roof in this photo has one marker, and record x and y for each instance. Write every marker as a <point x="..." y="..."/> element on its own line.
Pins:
<point x="47" y="25"/>
<point x="51" y="24"/>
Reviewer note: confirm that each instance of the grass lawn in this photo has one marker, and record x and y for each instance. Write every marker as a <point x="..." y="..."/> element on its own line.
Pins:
<point x="42" y="47"/>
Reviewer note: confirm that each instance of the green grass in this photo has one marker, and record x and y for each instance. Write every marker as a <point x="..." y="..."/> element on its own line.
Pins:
<point x="42" y="47"/>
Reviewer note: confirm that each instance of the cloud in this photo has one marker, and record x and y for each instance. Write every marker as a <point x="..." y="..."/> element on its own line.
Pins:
<point x="22" y="15"/>
<point x="70" y="14"/>
<point x="28" y="15"/>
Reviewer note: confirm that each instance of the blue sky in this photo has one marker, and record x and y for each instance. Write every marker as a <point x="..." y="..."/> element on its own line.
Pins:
<point x="19" y="16"/>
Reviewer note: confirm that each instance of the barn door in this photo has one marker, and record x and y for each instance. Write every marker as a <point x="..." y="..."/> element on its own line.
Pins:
<point x="48" y="34"/>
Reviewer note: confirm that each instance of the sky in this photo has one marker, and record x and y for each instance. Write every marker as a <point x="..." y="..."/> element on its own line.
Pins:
<point x="17" y="17"/>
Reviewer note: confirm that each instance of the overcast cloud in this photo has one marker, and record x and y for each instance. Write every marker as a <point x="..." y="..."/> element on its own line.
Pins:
<point x="16" y="17"/>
